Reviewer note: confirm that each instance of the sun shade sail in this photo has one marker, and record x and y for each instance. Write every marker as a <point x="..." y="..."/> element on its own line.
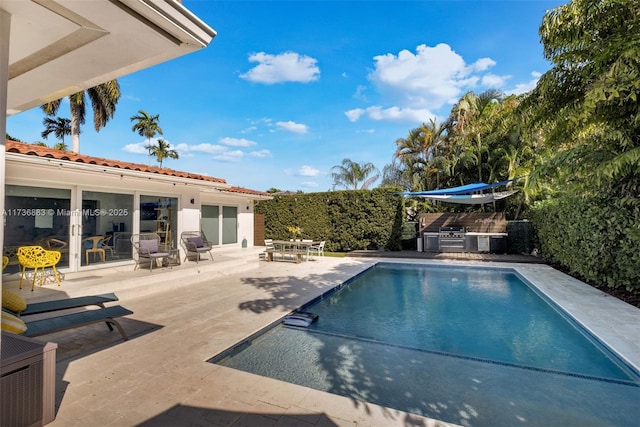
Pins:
<point x="464" y="189"/>
<point x="470" y="194"/>
<point x="470" y="199"/>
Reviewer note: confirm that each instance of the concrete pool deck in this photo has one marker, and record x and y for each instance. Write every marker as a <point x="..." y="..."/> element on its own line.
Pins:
<point x="185" y="315"/>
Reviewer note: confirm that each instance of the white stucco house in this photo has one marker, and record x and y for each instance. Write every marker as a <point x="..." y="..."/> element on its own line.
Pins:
<point x="63" y="200"/>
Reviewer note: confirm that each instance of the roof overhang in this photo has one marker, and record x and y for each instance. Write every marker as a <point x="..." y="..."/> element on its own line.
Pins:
<point x="34" y="167"/>
<point x="60" y="47"/>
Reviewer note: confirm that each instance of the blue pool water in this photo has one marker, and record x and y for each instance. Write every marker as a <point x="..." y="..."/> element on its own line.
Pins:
<point x="472" y="346"/>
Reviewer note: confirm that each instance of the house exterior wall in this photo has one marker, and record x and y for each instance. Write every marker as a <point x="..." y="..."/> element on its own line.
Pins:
<point x="43" y="173"/>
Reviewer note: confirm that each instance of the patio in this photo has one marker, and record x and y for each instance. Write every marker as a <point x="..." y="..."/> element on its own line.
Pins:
<point x="185" y="315"/>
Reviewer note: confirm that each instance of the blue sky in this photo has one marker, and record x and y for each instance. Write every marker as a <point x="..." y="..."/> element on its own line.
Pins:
<point x="287" y="90"/>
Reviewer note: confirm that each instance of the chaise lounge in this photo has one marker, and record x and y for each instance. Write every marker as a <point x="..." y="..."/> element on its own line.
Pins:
<point x="68" y="303"/>
<point x="17" y="308"/>
<point x="76" y="320"/>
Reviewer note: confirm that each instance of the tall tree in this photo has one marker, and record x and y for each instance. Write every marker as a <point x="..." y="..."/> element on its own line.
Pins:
<point x="162" y="150"/>
<point x="60" y="126"/>
<point x="588" y="100"/>
<point x="418" y="153"/>
<point x="146" y="125"/>
<point x="350" y="174"/>
<point x="103" y="97"/>
<point x="471" y="120"/>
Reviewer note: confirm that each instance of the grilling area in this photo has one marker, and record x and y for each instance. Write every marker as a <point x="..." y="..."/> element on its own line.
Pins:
<point x="462" y="232"/>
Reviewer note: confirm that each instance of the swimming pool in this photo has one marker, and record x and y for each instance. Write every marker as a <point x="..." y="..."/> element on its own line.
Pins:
<point x="473" y="346"/>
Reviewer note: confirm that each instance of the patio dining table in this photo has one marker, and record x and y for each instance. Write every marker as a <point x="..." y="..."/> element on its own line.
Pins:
<point x="296" y="248"/>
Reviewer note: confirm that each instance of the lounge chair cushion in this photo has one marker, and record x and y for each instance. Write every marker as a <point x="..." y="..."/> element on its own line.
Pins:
<point x="13" y="301"/>
<point x="197" y="241"/>
<point x="150" y="246"/>
<point x="13" y="324"/>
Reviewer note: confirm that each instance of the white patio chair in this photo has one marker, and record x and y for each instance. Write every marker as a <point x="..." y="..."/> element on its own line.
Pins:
<point x="318" y="250"/>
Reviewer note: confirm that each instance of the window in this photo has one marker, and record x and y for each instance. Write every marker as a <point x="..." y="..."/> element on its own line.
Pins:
<point x="110" y="216"/>
<point x="36" y="216"/>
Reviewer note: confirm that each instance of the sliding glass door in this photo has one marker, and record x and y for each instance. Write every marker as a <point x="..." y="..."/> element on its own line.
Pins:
<point x="107" y="222"/>
<point x="36" y="216"/>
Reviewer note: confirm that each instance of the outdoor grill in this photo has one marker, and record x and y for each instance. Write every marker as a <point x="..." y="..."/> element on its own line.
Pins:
<point x="451" y="239"/>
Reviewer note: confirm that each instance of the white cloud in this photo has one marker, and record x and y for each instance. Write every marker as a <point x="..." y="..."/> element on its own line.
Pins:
<point x="140" y="147"/>
<point x="284" y="67"/>
<point x="397" y="114"/>
<point x="293" y="127"/>
<point x="308" y="171"/>
<point x="494" y="81"/>
<point x="432" y="76"/>
<point x="137" y="148"/>
<point x="229" y="156"/>
<point x="261" y="154"/>
<point x="528" y="86"/>
<point x="220" y="152"/>
<point x="200" y="148"/>
<point x="416" y="84"/>
<point x="355" y="114"/>
<point x="237" y="142"/>
<point x="483" y="64"/>
<point x="360" y="93"/>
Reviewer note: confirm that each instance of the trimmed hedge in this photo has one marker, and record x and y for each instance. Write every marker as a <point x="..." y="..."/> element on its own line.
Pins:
<point x="597" y="238"/>
<point x="347" y="220"/>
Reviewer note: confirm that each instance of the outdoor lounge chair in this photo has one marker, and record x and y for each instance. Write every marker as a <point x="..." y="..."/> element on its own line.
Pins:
<point x="195" y="243"/>
<point x="76" y="320"/>
<point x="67" y="303"/>
<point x="148" y="248"/>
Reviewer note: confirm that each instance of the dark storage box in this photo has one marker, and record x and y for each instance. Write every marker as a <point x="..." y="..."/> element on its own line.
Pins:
<point x="27" y="381"/>
<point x="498" y="244"/>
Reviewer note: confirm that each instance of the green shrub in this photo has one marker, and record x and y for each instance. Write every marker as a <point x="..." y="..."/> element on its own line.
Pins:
<point x="597" y="238"/>
<point x="347" y="220"/>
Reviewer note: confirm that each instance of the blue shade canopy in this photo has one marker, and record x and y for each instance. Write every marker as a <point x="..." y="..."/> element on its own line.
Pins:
<point x="471" y="199"/>
<point x="464" y="189"/>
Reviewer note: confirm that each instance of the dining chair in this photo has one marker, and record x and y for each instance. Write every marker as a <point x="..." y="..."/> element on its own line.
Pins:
<point x="317" y="249"/>
<point x="106" y="244"/>
<point x="93" y="245"/>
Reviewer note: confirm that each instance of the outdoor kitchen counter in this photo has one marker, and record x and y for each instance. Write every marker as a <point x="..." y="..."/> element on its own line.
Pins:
<point x="485" y="242"/>
<point x="474" y="233"/>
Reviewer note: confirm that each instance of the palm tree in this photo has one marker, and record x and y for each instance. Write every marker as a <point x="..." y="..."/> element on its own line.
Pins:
<point x="147" y="125"/>
<point x="420" y="153"/>
<point x="162" y="151"/>
<point x="61" y="146"/>
<point x="350" y="174"/>
<point x="104" y="98"/>
<point x="59" y="126"/>
<point x="471" y="120"/>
